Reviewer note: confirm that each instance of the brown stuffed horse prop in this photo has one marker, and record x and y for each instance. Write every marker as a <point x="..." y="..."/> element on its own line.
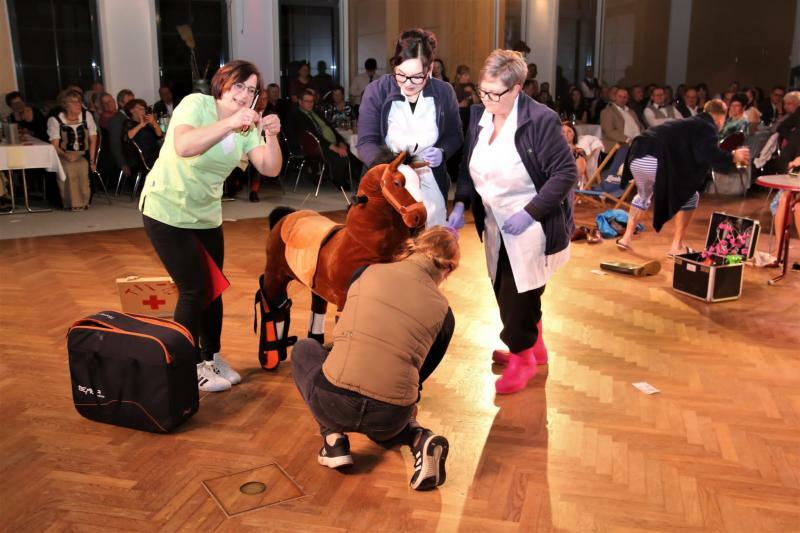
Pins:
<point x="310" y="248"/>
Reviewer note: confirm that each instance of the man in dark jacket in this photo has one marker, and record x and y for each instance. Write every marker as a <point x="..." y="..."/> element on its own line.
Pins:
<point x="670" y="163"/>
<point x="334" y="147"/>
<point x="26" y="117"/>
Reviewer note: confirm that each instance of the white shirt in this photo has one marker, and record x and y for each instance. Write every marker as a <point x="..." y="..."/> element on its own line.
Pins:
<point x="412" y="132"/>
<point x="54" y="128"/>
<point x="658" y="115"/>
<point x="357" y="86"/>
<point x="503" y="182"/>
<point x="631" y="128"/>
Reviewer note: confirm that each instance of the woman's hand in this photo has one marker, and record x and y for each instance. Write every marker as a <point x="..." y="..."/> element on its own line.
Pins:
<point x="93" y="166"/>
<point x="243" y="119"/>
<point x="794" y="163"/>
<point x="518" y="222"/>
<point x="456" y="218"/>
<point x="270" y="124"/>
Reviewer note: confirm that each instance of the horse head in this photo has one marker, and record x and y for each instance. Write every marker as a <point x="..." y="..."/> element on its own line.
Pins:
<point x="393" y="187"/>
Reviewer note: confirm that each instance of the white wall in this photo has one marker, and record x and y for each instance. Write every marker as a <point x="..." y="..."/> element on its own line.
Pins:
<point x="542" y="37"/>
<point x="129" y="46"/>
<point x="254" y="35"/>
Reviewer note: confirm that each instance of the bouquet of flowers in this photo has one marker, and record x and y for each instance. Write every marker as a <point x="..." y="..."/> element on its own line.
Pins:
<point x="730" y="246"/>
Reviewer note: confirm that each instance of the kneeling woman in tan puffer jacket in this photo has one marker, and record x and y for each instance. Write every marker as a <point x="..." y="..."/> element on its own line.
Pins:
<point x="393" y="331"/>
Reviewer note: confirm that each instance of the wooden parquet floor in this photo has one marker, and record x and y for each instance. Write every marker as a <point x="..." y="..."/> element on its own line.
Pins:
<point x="579" y="450"/>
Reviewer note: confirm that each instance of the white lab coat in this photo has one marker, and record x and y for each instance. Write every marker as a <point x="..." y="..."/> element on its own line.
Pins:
<point x="503" y="182"/>
<point x="412" y="133"/>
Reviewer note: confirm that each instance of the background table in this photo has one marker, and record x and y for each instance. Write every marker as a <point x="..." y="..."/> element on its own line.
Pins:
<point x="789" y="185"/>
<point x="351" y="139"/>
<point x="33" y="153"/>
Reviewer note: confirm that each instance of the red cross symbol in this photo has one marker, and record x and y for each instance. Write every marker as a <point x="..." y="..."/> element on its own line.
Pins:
<point x="153" y="302"/>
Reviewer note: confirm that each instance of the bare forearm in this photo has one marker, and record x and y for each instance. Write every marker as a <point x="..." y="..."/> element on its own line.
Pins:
<point x="190" y="141"/>
<point x="267" y="158"/>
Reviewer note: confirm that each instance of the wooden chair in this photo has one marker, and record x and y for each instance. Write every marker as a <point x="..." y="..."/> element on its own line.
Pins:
<point x="601" y="192"/>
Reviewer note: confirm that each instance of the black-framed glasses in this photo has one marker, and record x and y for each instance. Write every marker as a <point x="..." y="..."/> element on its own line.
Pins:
<point x="417" y="79"/>
<point x="492" y="97"/>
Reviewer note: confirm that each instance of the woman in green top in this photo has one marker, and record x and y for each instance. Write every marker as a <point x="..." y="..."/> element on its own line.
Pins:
<point x="181" y="200"/>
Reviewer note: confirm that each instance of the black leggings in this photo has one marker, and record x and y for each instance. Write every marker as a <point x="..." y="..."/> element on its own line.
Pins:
<point x="179" y="250"/>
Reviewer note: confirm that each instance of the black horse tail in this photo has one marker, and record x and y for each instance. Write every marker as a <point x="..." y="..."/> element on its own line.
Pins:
<point x="278" y="213"/>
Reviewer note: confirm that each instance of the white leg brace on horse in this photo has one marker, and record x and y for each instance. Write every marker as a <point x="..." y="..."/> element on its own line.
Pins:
<point x="316" y="323"/>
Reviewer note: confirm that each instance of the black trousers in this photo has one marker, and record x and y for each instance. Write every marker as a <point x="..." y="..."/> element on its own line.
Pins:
<point x="339" y="168"/>
<point x="340" y="411"/>
<point x="179" y="251"/>
<point x="519" y="312"/>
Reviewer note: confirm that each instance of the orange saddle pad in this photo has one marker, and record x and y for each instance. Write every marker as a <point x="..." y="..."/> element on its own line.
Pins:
<point x="303" y="232"/>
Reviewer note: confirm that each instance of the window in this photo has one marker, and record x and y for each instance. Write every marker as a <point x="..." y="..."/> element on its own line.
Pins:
<point x="208" y="21"/>
<point x="55" y="44"/>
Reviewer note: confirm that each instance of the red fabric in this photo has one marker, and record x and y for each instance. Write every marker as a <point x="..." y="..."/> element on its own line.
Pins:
<point x="216" y="282"/>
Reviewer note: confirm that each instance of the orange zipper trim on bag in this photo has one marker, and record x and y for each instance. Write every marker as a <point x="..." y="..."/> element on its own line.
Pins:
<point x="164" y="323"/>
<point x="124" y="401"/>
<point x="167" y="356"/>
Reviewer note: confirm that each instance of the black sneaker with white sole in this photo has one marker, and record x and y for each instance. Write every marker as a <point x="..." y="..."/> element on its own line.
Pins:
<point x="430" y="454"/>
<point x="336" y="456"/>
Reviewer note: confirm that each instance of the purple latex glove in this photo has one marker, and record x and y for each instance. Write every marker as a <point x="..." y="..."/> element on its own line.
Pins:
<point x="456" y="218"/>
<point x="432" y="156"/>
<point x="518" y="222"/>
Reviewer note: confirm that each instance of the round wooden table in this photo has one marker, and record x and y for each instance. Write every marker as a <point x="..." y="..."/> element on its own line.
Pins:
<point x="790" y="184"/>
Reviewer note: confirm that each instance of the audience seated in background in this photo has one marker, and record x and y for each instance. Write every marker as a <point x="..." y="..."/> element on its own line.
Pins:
<point x="531" y="88"/>
<point x="73" y="133"/>
<point x="589" y="86"/>
<point x="736" y="121"/>
<point x="751" y="111"/>
<point x="142" y="128"/>
<point x="438" y="70"/>
<point x="600" y="103"/>
<point x="360" y="82"/>
<point x="164" y="107"/>
<point x="772" y="109"/>
<point x="334" y="147"/>
<point x="275" y="104"/>
<point x="338" y="112"/>
<point x="300" y="83"/>
<point x="28" y="119"/>
<point x="115" y="125"/>
<point x="571" y="135"/>
<point x="323" y="82"/>
<point x="658" y="111"/>
<point x="544" y="96"/>
<point x="576" y="108"/>
<point x="618" y="122"/>
<point x="688" y="107"/>
<point x="637" y="102"/>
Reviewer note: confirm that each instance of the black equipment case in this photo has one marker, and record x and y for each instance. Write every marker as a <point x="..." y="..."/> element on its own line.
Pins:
<point x="715" y="283"/>
<point x="133" y="371"/>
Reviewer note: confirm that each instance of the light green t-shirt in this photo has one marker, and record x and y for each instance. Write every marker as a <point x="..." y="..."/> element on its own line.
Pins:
<point x="186" y="192"/>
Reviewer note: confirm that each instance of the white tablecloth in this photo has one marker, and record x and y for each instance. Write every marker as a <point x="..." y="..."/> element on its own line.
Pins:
<point x="32" y="154"/>
<point x="351" y="138"/>
<point x="589" y="129"/>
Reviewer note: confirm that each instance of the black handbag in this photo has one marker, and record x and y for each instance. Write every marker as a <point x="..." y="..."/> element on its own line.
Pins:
<point x="133" y="371"/>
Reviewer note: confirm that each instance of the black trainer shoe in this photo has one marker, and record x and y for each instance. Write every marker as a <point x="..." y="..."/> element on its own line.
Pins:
<point x="335" y="456"/>
<point x="254" y="196"/>
<point x="429" y="457"/>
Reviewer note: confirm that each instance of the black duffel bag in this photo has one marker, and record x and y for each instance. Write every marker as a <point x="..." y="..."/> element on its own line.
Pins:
<point x="133" y="371"/>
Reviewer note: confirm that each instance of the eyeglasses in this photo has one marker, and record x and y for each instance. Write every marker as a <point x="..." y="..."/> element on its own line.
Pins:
<point x="417" y="79"/>
<point x="240" y="87"/>
<point x="492" y="97"/>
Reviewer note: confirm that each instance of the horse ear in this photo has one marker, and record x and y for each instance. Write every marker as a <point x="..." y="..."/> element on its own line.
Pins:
<point x="397" y="161"/>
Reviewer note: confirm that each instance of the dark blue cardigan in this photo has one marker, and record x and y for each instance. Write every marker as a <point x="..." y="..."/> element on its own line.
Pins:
<point x="549" y="162"/>
<point x="373" y="121"/>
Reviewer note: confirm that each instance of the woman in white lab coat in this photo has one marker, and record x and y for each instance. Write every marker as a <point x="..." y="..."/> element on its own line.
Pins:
<point x="408" y="110"/>
<point x="518" y="173"/>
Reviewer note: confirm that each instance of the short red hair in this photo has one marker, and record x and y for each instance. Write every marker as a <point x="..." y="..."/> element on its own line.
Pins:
<point x="232" y="72"/>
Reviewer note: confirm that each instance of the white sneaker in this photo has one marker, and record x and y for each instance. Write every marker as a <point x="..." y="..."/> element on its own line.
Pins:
<point x="224" y="369"/>
<point x="208" y="380"/>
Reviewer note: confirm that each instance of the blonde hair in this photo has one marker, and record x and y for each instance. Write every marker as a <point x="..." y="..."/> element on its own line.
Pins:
<point x="793" y="96"/>
<point x="715" y="107"/>
<point x="438" y="244"/>
<point x="507" y="66"/>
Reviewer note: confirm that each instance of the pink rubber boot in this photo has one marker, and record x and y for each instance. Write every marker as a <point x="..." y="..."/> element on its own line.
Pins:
<point x="521" y="368"/>
<point x="539" y="351"/>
